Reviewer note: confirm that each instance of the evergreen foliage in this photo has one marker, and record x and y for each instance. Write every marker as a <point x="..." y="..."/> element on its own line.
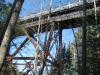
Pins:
<point x="93" y="50"/>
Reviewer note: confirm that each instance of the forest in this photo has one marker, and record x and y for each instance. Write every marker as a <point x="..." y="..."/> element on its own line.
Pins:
<point x="42" y="38"/>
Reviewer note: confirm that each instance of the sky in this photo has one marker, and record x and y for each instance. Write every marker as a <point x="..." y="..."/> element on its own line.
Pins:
<point x="31" y="7"/>
<point x="34" y="6"/>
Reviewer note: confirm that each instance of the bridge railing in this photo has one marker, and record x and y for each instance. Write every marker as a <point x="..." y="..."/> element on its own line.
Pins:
<point x="80" y="2"/>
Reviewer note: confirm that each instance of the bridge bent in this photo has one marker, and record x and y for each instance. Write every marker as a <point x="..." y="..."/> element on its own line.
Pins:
<point x="66" y="16"/>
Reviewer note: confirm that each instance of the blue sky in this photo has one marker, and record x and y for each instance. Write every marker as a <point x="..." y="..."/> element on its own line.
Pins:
<point x="29" y="50"/>
<point x="33" y="6"/>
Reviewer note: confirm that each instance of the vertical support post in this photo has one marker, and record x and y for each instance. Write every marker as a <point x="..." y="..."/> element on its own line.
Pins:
<point x="95" y="11"/>
<point x="60" y="49"/>
<point x="95" y="14"/>
<point x="9" y="31"/>
<point x="60" y="40"/>
<point x="84" y="34"/>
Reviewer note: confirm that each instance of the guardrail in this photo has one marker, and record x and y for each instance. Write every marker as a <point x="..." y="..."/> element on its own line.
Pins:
<point x="69" y="6"/>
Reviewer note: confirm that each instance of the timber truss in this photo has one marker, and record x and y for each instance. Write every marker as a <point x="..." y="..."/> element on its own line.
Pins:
<point x="51" y="24"/>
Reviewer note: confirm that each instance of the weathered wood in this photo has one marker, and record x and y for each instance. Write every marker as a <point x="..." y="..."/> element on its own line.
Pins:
<point x="64" y="20"/>
<point x="84" y="36"/>
<point x="72" y="14"/>
<point x="59" y="60"/>
<point x="23" y="58"/>
<point x="19" y="48"/>
<point x="60" y="10"/>
<point x="11" y="26"/>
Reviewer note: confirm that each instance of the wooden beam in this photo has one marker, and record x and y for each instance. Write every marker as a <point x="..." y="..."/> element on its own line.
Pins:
<point x="23" y="58"/>
<point x="84" y="35"/>
<point x="19" y="48"/>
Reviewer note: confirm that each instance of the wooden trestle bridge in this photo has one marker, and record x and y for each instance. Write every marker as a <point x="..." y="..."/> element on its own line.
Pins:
<point x="65" y="17"/>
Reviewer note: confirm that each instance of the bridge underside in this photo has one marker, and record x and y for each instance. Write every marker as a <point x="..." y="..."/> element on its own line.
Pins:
<point x="65" y="24"/>
<point x="65" y="18"/>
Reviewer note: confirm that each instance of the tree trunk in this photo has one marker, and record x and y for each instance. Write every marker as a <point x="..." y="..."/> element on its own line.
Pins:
<point x="7" y="21"/>
<point x="11" y="26"/>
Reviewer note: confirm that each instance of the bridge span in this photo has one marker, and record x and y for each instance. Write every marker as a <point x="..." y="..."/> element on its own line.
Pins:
<point x="66" y="16"/>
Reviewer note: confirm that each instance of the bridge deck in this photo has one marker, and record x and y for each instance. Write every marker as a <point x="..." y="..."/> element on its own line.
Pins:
<point x="66" y="15"/>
